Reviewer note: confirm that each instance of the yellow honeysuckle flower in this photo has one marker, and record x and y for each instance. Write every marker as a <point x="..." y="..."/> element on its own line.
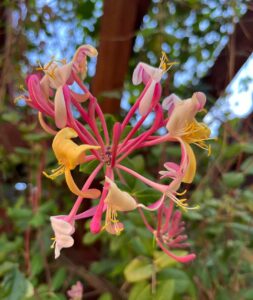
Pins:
<point x="70" y="155"/>
<point x="116" y="200"/>
<point x="183" y="125"/>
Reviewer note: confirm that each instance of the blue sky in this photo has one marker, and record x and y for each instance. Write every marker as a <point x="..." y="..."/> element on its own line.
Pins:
<point x="238" y="101"/>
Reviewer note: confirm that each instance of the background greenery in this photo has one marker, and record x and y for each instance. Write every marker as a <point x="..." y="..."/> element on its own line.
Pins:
<point x="127" y="266"/>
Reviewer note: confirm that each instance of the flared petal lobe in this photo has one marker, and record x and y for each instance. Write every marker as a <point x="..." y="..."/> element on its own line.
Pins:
<point x="70" y="155"/>
<point x="62" y="231"/>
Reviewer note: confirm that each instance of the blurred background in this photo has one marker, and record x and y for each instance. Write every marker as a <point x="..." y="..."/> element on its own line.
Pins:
<point x="212" y="41"/>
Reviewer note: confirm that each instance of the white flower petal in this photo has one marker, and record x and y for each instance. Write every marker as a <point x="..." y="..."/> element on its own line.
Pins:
<point x="119" y="200"/>
<point x="57" y="251"/>
<point x="61" y="226"/>
<point x="64" y="241"/>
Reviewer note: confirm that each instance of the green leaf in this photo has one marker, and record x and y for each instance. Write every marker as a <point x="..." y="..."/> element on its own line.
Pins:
<point x="247" y="294"/>
<point x="88" y="167"/>
<point x="136" y="290"/>
<point x="29" y="289"/>
<point x="247" y="148"/>
<point x="38" y="220"/>
<point x="105" y="296"/>
<point x="59" y="278"/>
<point x="138" y="269"/>
<point x="232" y="151"/>
<point x="36" y="264"/>
<point x="165" y="290"/>
<point x="6" y="267"/>
<point x="35" y="137"/>
<point x="127" y="129"/>
<point x="247" y="166"/>
<point x="138" y="162"/>
<point x="147" y="194"/>
<point x="12" y="117"/>
<point x="181" y="279"/>
<point x="84" y="10"/>
<point x="241" y="227"/>
<point x="90" y="238"/>
<point x="233" y="179"/>
<point x="162" y="260"/>
<point x="23" y="151"/>
<point x="14" y="286"/>
<point x="130" y="179"/>
<point x="145" y="293"/>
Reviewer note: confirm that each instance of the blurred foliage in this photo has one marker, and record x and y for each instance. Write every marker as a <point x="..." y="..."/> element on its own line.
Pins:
<point x="128" y="266"/>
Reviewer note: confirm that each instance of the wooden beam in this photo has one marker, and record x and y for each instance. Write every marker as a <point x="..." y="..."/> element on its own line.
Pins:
<point x="232" y="57"/>
<point x="119" y="23"/>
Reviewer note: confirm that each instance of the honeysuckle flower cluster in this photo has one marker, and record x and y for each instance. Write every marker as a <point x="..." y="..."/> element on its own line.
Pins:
<point x="51" y="94"/>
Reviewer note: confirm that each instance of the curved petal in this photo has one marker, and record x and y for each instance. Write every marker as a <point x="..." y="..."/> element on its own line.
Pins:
<point x="60" y="109"/>
<point x="79" y="59"/>
<point x="44" y="124"/>
<point x="170" y="102"/>
<point x="201" y="97"/>
<point x="191" y="168"/>
<point x="147" y="99"/>
<point x="144" y="72"/>
<point x="119" y="200"/>
<point x="62" y="242"/>
<point x="91" y="193"/>
<point x="62" y="227"/>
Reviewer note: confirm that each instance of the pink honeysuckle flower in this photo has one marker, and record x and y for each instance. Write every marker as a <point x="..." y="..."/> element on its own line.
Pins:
<point x="184" y="112"/>
<point x="183" y="126"/>
<point x="169" y="233"/>
<point x="172" y="170"/>
<point x="63" y="231"/>
<point x="151" y="77"/>
<point x="57" y="76"/>
<point x="76" y="291"/>
<point x="109" y="152"/>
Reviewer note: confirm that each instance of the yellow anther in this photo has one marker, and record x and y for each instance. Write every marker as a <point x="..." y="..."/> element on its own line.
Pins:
<point x="54" y="242"/>
<point x="165" y="64"/>
<point x="22" y="88"/>
<point x="180" y="202"/>
<point x="183" y="193"/>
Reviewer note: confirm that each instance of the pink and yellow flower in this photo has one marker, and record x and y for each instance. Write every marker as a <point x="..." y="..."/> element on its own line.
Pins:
<point x="110" y="152"/>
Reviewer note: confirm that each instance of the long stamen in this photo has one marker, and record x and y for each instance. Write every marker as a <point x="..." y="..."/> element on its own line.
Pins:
<point x="181" y="202"/>
<point x="183" y="193"/>
<point x="165" y="64"/>
<point x="55" y="172"/>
